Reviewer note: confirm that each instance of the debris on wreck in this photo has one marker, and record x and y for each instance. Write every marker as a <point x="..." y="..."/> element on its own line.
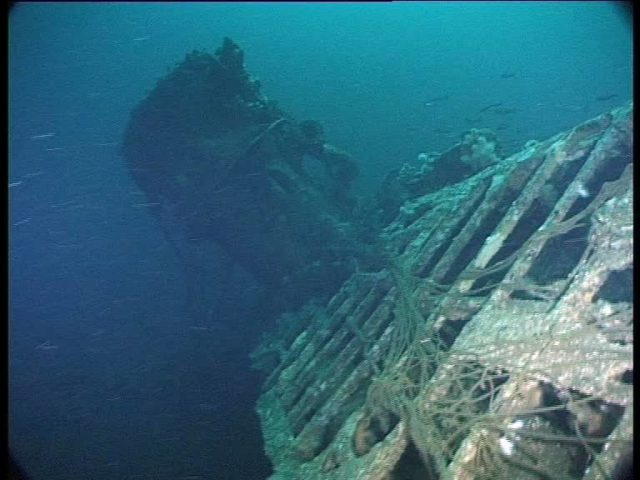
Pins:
<point x="476" y="150"/>
<point x="495" y="343"/>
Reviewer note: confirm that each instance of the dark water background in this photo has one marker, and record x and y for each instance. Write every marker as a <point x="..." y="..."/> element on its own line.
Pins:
<point x="107" y="376"/>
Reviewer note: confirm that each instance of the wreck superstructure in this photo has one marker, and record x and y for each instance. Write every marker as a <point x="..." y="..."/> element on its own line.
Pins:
<point x="225" y="168"/>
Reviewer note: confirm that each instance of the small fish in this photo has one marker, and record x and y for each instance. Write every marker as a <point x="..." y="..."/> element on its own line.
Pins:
<point x="63" y="204"/>
<point x="507" y="75"/>
<point x="504" y="110"/>
<point x="141" y="39"/>
<point x="43" y="135"/>
<point x="107" y="144"/>
<point x="67" y="245"/>
<point x="199" y="329"/>
<point x="433" y="100"/>
<point x="46" y="346"/>
<point x="472" y="120"/>
<point x="15" y="184"/>
<point x="145" y="205"/>
<point x="53" y="149"/>
<point x="604" y="98"/>
<point x="570" y="108"/>
<point x="22" y="222"/>
<point x="34" y="174"/>
<point x="488" y="107"/>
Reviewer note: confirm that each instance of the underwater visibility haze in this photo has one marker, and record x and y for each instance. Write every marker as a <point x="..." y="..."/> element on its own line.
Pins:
<point x="186" y="179"/>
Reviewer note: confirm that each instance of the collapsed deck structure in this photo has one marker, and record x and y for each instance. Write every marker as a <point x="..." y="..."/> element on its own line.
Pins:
<point x="496" y="342"/>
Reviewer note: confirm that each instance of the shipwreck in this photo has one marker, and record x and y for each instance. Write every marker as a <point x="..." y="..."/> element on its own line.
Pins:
<point x="473" y="321"/>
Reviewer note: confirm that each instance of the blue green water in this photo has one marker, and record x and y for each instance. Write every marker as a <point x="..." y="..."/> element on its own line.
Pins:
<point x="107" y="378"/>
